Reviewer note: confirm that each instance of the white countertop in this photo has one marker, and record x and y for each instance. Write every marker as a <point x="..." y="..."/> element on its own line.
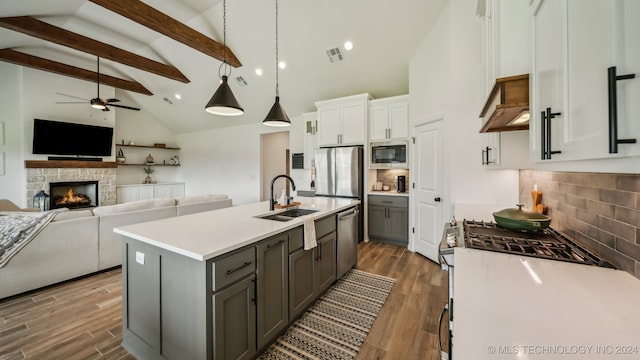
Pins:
<point x="205" y="235"/>
<point x="571" y="311"/>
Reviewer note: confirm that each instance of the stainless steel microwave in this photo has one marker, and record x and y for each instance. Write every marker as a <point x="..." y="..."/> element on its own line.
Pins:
<point x="389" y="154"/>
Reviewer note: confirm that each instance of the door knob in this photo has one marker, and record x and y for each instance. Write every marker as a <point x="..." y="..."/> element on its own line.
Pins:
<point x="438" y="199"/>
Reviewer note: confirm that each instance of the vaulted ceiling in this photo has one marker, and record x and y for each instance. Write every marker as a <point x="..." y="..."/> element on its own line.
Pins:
<point x="385" y="34"/>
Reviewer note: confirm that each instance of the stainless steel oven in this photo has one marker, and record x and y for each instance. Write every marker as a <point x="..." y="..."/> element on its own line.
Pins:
<point x="452" y="237"/>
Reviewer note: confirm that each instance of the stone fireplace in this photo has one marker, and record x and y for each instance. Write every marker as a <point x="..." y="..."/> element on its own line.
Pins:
<point x="41" y="174"/>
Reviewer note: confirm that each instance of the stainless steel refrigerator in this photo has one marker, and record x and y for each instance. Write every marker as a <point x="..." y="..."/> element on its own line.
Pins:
<point x="339" y="173"/>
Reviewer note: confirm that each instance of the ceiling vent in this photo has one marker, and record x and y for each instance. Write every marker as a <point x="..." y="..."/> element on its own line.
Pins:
<point x="241" y="81"/>
<point x="335" y="55"/>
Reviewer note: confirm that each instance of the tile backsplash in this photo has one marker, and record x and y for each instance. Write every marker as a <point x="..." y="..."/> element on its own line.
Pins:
<point x="390" y="176"/>
<point x="600" y="211"/>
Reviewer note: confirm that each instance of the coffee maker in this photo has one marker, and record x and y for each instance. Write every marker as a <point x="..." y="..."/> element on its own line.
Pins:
<point x="402" y="183"/>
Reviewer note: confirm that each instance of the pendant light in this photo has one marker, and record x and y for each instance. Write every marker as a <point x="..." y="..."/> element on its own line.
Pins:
<point x="223" y="102"/>
<point x="277" y="116"/>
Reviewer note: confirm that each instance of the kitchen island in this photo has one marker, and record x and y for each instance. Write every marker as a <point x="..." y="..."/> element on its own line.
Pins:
<point x="513" y="307"/>
<point x="223" y="284"/>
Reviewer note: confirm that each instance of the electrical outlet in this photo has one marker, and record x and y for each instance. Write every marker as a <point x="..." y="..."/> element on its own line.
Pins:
<point x="140" y="257"/>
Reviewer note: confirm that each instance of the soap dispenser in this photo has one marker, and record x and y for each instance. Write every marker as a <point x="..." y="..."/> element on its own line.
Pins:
<point x="283" y="198"/>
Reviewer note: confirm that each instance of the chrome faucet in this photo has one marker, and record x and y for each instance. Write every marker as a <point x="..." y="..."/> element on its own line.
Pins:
<point x="271" y="201"/>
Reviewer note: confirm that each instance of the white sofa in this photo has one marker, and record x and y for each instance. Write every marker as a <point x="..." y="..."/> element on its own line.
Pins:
<point x="82" y="242"/>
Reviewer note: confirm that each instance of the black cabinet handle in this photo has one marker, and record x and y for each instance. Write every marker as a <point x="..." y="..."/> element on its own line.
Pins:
<point x="545" y="133"/>
<point x="438" y="199"/>
<point x="613" y="110"/>
<point x="231" y="271"/>
<point x="485" y="156"/>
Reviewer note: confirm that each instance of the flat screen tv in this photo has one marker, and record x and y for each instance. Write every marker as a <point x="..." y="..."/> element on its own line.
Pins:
<point x="62" y="138"/>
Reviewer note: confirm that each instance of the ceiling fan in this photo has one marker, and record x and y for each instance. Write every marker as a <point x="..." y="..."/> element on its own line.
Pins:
<point x="98" y="102"/>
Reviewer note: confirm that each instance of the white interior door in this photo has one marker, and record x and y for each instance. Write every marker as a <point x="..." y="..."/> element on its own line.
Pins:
<point x="427" y="206"/>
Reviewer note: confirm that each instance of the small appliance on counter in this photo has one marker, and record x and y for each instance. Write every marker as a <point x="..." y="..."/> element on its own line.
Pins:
<point x="402" y="186"/>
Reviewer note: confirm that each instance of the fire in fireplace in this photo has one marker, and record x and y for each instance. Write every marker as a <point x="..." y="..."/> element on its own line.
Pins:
<point x="73" y="195"/>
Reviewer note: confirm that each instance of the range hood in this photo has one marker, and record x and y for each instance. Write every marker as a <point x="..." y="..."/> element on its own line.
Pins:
<point x="507" y="107"/>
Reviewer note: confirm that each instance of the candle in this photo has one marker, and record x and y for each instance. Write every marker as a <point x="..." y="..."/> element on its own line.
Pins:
<point x="535" y="187"/>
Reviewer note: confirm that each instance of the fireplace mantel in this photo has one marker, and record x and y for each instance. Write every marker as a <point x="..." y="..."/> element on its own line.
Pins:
<point x="73" y="164"/>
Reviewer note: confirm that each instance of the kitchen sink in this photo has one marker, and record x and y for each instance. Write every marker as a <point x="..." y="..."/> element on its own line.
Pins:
<point x="287" y="215"/>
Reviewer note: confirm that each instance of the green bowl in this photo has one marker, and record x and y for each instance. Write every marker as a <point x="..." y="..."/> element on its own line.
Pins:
<point x="518" y="219"/>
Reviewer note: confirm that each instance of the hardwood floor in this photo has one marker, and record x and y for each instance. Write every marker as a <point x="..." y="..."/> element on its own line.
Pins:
<point x="82" y="319"/>
<point x="407" y="326"/>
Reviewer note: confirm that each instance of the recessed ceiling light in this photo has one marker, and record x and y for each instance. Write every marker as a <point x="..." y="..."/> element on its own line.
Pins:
<point x="178" y="96"/>
<point x="282" y="64"/>
<point x="259" y="72"/>
<point x="348" y="45"/>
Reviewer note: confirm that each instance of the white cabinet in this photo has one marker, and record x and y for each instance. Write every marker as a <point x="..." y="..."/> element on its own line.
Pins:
<point x="389" y="118"/>
<point x="506" y="53"/>
<point x="342" y="121"/>
<point x="128" y="193"/>
<point x="169" y="190"/>
<point x="506" y="150"/>
<point x="574" y="44"/>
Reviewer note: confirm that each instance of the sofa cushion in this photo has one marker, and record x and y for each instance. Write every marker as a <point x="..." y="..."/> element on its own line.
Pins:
<point x="133" y="206"/>
<point x="200" y="199"/>
<point x="68" y="215"/>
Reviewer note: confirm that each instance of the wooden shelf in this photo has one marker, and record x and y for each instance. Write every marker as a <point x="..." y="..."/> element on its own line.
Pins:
<point x="74" y="164"/>
<point x="148" y="147"/>
<point x="126" y="164"/>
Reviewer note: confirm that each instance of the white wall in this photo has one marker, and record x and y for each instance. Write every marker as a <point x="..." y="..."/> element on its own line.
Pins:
<point x="13" y="176"/>
<point x="223" y="161"/>
<point x="445" y="80"/>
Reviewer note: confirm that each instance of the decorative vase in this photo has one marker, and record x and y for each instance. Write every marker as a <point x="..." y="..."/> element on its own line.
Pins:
<point x="147" y="180"/>
<point x="149" y="159"/>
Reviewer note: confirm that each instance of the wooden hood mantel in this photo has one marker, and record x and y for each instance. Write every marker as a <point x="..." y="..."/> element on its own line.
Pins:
<point x="71" y="164"/>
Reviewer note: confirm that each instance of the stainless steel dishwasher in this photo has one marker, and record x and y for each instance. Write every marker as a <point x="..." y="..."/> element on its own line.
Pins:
<point x="347" y="251"/>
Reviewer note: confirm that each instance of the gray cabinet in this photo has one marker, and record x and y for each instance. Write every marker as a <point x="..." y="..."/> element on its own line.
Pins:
<point x="234" y="321"/>
<point x="389" y="219"/>
<point x="273" y="288"/>
<point x="302" y="281"/>
<point x="311" y="272"/>
<point x="326" y="262"/>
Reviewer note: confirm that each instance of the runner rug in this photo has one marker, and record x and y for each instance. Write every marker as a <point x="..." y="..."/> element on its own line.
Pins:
<point x="337" y="324"/>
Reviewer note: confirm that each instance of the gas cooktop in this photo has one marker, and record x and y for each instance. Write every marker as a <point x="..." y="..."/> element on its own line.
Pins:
<point x="546" y="244"/>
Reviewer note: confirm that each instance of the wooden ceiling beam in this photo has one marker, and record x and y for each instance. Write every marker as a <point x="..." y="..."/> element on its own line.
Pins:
<point x="157" y="21"/>
<point x="42" y="30"/>
<point x="19" y="58"/>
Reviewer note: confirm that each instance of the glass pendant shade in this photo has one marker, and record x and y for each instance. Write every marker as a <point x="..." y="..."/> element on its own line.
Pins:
<point x="223" y="102"/>
<point x="277" y="116"/>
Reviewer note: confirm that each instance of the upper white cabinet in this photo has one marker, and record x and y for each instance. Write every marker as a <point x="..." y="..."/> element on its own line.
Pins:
<point x="342" y="121"/>
<point x="506" y="53"/>
<point x="389" y="118"/>
<point x="575" y="43"/>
